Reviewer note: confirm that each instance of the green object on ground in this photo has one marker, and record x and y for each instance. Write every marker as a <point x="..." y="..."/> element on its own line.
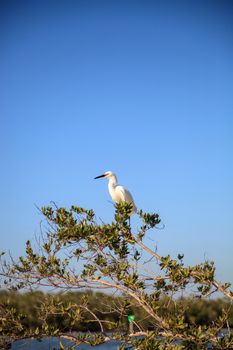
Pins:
<point x="131" y="317"/>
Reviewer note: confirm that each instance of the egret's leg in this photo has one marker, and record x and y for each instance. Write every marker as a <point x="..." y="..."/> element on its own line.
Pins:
<point x="129" y="225"/>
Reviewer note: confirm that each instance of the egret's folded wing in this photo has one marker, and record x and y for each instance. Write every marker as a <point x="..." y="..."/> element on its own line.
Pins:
<point x="125" y="196"/>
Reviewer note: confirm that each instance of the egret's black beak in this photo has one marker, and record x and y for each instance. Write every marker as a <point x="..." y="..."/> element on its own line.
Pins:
<point x="98" y="177"/>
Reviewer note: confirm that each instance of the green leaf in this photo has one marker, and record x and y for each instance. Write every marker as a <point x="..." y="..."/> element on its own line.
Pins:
<point x="61" y="346"/>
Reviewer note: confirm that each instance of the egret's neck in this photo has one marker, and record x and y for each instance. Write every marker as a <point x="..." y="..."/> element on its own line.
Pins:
<point x="112" y="182"/>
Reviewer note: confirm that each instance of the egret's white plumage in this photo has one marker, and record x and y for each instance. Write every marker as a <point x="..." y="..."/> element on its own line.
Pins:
<point x="118" y="193"/>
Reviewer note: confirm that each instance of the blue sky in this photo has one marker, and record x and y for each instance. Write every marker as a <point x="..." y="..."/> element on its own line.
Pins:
<point x="142" y="88"/>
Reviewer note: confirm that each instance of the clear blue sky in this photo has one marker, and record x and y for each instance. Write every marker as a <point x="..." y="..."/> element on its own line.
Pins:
<point x="142" y="88"/>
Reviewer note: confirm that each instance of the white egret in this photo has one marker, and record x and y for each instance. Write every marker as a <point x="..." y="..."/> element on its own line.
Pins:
<point x="118" y="193"/>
